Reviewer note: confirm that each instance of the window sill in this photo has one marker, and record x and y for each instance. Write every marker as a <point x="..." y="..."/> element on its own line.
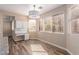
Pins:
<point x="52" y="32"/>
<point x="74" y="33"/>
<point x="58" y="32"/>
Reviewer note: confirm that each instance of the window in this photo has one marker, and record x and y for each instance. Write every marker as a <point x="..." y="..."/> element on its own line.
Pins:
<point x="41" y="23"/>
<point x="75" y="19"/>
<point x="32" y="25"/>
<point x="48" y="24"/>
<point x="52" y="24"/>
<point x="75" y="26"/>
<point x="57" y="23"/>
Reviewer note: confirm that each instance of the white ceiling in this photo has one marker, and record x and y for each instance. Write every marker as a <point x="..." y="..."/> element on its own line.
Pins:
<point x="24" y="8"/>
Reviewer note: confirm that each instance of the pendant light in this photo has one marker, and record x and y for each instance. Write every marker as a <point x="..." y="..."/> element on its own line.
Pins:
<point x="34" y="14"/>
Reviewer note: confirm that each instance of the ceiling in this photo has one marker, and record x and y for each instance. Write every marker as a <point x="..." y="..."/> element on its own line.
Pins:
<point x="23" y="9"/>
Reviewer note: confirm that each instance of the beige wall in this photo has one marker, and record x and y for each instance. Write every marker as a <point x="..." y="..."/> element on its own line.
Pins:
<point x="33" y="35"/>
<point x="73" y="43"/>
<point x="54" y="38"/>
<point x="7" y="28"/>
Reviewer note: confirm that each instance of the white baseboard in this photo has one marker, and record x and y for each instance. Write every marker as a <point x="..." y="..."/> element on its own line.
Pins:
<point x="68" y="51"/>
<point x="33" y="38"/>
<point x="57" y="46"/>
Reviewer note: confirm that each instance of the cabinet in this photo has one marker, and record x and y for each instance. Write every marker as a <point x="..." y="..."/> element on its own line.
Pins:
<point x="1" y="35"/>
<point x="19" y="30"/>
<point x="4" y="47"/>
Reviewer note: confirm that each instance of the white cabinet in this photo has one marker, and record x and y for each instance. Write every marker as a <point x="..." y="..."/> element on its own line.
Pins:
<point x="26" y="36"/>
<point x="5" y="45"/>
<point x="20" y="30"/>
<point x="4" y="48"/>
<point x="1" y="35"/>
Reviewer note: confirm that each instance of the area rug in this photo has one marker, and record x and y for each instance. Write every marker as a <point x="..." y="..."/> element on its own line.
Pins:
<point x="38" y="49"/>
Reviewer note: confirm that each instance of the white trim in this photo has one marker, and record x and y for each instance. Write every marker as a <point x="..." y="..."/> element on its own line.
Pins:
<point x="52" y="32"/>
<point x="33" y="38"/>
<point x="68" y="51"/>
<point x="58" y="32"/>
<point x="57" y="46"/>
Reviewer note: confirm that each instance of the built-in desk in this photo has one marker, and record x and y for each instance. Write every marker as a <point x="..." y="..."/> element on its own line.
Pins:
<point x="20" y="36"/>
<point x="19" y="30"/>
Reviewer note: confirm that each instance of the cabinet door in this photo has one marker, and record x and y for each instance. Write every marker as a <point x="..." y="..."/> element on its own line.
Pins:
<point x="1" y="35"/>
<point x="1" y="26"/>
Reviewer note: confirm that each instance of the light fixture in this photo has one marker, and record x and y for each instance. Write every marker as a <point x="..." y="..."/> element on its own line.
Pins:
<point x="34" y="14"/>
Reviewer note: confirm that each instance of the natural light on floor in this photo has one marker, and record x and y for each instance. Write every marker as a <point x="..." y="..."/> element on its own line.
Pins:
<point x="37" y="49"/>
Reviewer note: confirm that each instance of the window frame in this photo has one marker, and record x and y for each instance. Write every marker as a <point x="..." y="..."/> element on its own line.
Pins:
<point x="35" y="26"/>
<point x="42" y="25"/>
<point x="48" y="18"/>
<point x="73" y="19"/>
<point x="43" y="18"/>
<point x="63" y="22"/>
